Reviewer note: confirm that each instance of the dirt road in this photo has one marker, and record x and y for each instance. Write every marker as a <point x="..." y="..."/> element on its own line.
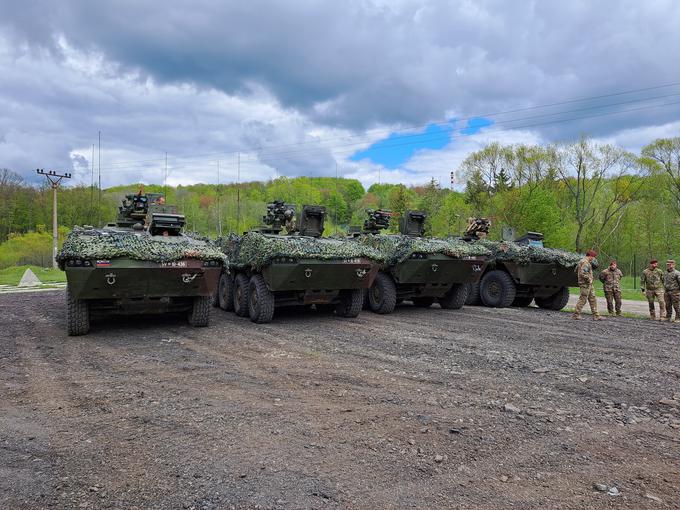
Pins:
<point x="477" y="408"/>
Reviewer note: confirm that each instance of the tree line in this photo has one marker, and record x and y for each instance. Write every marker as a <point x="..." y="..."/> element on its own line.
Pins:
<point x="579" y="195"/>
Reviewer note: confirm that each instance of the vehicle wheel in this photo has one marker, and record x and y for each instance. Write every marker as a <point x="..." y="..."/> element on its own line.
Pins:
<point x="261" y="301"/>
<point x="366" y="305"/>
<point x="522" y="301"/>
<point x="382" y="296"/>
<point x="555" y="302"/>
<point x="215" y="299"/>
<point x="497" y="289"/>
<point x="350" y="303"/>
<point x="455" y="298"/>
<point x="473" y="297"/>
<point x="241" y="283"/>
<point x="78" y="315"/>
<point x="225" y="293"/>
<point x="200" y="311"/>
<point x="423" y="302"/>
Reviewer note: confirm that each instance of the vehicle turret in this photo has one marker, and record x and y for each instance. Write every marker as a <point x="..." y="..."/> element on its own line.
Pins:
<point x="413" y="223"/>
<point x="378" y="219"/>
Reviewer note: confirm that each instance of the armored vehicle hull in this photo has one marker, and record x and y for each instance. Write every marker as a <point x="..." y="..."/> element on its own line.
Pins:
<point x="268" y="270"/>
<point x="420" y="269"/>
<point x="424" y="279"/>
<point x="330" y="284"/>
<point x="126" y="286"/>
<point x="510" y="284"/>
<point x="140" y="264"/>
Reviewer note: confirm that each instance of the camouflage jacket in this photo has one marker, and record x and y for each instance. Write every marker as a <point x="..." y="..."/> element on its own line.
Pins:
<point x="584" y="271"/>
<point x="611" y="279"/>
<point x="651" y="279"/>
<point x="671" y="281"/>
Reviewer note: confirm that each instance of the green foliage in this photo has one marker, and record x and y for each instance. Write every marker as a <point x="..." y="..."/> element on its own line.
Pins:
<point x="630" y="211"/>
<point x="12" y="275"/>
<point x="32" y="248"/>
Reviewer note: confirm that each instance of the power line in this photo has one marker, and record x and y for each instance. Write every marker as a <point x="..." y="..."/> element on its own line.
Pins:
<point x="447" y="122"/>
<point x="496" y="129"/>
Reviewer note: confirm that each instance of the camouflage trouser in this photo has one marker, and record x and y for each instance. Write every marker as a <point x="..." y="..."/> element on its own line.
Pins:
<point x="672" y="301"/>
<point x="587" y="294"/>
<point x="658" y="295"/>
<point x="613" y="297"/>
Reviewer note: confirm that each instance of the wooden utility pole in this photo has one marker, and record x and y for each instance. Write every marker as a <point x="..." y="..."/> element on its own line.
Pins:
<point x="55" y="181"/>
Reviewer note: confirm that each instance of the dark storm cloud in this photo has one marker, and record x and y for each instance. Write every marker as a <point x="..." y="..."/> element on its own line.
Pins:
<point x="352" y="65"/>
<point x="357" y="63"/>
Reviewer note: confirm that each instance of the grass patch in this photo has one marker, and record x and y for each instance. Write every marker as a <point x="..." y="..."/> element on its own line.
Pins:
<point x="12" y="275"/>
<point x="630" y="289"/>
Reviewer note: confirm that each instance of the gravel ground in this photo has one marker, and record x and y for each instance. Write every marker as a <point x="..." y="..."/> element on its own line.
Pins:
<point x="476" y="408"/>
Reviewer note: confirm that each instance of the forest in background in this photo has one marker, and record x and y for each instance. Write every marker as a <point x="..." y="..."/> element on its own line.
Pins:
<point x="580" y="195"/>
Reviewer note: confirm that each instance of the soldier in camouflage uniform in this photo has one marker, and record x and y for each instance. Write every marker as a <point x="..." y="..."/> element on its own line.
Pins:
<point x="651" y="283"/>
<point x="611" y="283"/>
<point x="584" y="270"/>
<point x="671" y="282"/>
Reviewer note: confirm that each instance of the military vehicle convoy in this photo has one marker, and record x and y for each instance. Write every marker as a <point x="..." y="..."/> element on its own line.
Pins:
<point x="522" y="271"/>
<point x="141" y="263"/>
<point x="422" y="270"/>
<point x="268" y="269"/>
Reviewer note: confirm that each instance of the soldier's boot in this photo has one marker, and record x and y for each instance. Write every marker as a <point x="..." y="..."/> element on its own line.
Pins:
<point x="576" y="316"/>
<point x="597" y="317"/>
<point x="652" y="314"/>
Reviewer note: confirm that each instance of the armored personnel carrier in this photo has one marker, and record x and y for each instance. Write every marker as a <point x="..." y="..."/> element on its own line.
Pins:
<point x="522" y="271"/>
<point x="268" y="269"/>
<point x="141" y="263"/>
<point x="420" y="269"/>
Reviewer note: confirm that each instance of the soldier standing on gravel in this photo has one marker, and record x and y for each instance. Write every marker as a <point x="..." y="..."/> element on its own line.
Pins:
<point x="584" y="271"/>
<point x="651" y="283"/>
<point x="611" y="283"/>
<point x="671" y="281"/>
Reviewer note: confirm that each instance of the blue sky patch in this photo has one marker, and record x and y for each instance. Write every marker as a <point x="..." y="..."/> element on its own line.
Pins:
<point x="397" y="149"/>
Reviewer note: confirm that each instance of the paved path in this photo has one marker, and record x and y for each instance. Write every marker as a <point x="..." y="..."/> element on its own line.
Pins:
<point x="627" y="305"/>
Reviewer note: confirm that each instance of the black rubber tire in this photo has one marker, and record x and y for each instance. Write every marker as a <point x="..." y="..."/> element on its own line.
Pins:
<point x="261" y="301"/>
<point x="77" y="315"/>
<point x="241" y="284"/>
<point x="365" y="304"/>
<point x="225" y="293"/>
<point x="382" y="296"/>
<point x="555" y="302"/>
<point x="199" y="316"/>
<point x="351" y="302"/>
<point x="455" y="298"/>
<point x="497" y="289"/>
<point x="423" y="302"/>
<point x="215" y="299"/>
<point x="473" y="297"/>
<point x="522" y="301"/>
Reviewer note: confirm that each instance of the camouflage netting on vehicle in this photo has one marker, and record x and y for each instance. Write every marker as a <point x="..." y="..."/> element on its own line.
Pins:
<point x="109" y="244"/>
<point x="397" y="248"/>
<point x="257" y="250"/>
<point x="525" y="255"/>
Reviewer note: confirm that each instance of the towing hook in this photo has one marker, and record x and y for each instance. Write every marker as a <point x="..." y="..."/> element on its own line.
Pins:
<point x="111" y="278"/>
<point x="476" y="268"/>
<point x="308" y="273"/>
<point x="435" y="268"/>
<point x="361" y="273"/>
<point x="188" y="278"/>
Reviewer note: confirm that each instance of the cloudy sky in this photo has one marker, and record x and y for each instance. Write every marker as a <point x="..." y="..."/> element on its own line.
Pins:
<point x="396" y="91"/>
